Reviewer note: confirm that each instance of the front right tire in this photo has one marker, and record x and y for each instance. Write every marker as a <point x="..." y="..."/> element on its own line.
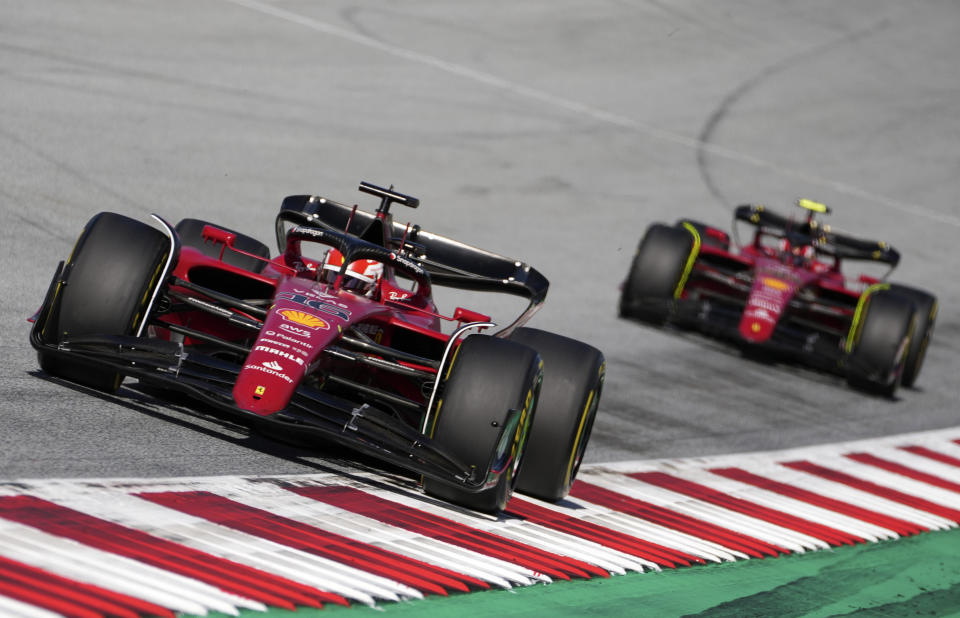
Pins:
<point x="657" y="273"/>
<point x="104" y="289"/>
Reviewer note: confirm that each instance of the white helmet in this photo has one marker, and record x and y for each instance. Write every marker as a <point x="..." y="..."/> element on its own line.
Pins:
<point x="361" y="276"/>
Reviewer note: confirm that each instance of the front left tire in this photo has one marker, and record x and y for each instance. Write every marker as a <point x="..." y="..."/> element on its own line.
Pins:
<point x="878" y="353"/>
<point x="487" y="378"/>
<point x="926" y="306"/>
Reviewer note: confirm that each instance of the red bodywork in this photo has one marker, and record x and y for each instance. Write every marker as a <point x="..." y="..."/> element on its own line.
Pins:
<point x="785" y="289"/>
<point x="348" y="347"/>
<point x="307" y="315"/>
<point x="774" y="286"/>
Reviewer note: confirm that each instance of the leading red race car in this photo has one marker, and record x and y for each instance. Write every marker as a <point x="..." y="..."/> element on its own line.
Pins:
<point x="784" y="291"/>
<point x="347" y="347"/>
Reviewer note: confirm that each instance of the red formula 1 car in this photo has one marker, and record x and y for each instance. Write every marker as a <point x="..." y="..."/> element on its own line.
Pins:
<point x="784" y="291"/>
<point x="347" y="347"/>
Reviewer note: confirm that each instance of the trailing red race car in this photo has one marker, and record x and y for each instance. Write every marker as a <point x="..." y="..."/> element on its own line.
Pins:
<point x="785" y="291"/>
<point x="348" y="347"/>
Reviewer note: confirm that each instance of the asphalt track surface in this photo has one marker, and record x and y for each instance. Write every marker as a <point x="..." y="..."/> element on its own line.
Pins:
<point x="552" y="132"/>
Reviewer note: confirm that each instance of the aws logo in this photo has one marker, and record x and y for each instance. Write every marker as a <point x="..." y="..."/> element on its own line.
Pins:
<point x="304" y="319"/>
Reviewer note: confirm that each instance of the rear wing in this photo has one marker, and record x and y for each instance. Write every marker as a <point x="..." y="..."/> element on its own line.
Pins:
<point x="827" y="242"/>
<point x="449" y="263"/>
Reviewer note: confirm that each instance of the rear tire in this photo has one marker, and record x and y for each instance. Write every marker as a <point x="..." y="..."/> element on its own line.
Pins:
<point x="106" y="287"/>
<point x="190" y="232"/>
<point x="573" y="375"/>
<point x="656" y="274"/>
<point x="876" y="363"/>
<point x="488" y="377"/>
<point x="926" y="315"/>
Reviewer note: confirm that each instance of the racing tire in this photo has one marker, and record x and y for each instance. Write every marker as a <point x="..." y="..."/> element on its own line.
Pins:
<point x="876" y="362"/>
<point x="487" y="377"/>
<point x="190" y="232"/>
<point x="105" y="290"/>
<point x="926" y="316"/>
<point x="573" y="374"/>
<point x="657" y="274"/>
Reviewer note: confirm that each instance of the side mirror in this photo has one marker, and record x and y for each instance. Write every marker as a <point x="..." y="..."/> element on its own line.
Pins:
<point x="465" y="315"/>
<point x="217" y="235"/>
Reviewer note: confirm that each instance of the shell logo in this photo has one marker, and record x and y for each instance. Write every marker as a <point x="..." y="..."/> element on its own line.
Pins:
<point x="304" y="319"/>
<point x="776" y="284"/>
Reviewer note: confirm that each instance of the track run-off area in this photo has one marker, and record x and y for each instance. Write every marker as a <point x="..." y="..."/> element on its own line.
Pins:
<point x="550" y="132"/>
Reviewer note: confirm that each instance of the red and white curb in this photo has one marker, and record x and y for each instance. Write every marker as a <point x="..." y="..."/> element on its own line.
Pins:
<point x="137" y="547"/>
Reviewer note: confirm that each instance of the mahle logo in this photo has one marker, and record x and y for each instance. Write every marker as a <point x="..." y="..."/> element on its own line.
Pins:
<point x="304" y="319"/>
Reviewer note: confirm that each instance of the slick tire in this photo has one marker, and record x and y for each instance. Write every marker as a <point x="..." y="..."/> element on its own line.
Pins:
<point x="926" y="315"/>
<point x="879" y="354"/>
<point x="190" y="232"/>
<point x="656" y="274"/>
<point x="107" y="285"/>
<point x="573" y="375"/>
<point x="487" y="378"/>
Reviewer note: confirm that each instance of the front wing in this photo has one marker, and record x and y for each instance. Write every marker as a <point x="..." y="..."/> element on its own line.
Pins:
<point x="311" y="413"/>
<point x="800" y="339"/>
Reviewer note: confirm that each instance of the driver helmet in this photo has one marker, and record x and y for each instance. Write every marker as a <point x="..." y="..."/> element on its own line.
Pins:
<point x="361" y="276"/>
<point x="798" y="254"/>
<point x="804" y="251"/>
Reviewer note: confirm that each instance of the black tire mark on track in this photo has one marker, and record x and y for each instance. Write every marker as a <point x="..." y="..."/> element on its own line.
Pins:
<point x="706" y="135"/>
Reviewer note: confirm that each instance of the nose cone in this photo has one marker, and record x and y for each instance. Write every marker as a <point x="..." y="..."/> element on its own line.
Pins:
<point x="268" y="379"/>
<point x="756" y="328"/>
<point x="768" y="299"/>
<point x="303" y="321"/>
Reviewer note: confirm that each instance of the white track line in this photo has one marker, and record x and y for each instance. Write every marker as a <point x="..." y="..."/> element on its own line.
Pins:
<point x="585" y="110"/>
